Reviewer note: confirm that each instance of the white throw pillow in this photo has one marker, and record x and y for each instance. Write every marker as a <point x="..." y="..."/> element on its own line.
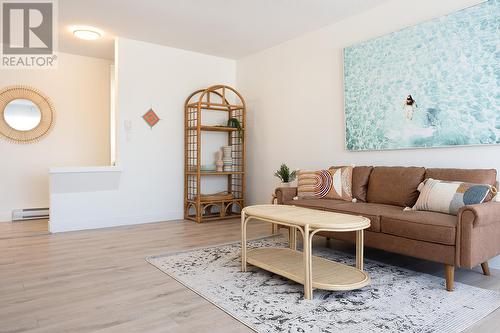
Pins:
<point x="448" y="197"/>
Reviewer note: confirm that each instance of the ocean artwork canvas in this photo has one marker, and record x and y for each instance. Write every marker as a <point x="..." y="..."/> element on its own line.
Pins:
<point x="435" y="84"/>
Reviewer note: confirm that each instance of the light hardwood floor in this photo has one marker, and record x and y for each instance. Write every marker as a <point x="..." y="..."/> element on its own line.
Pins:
<point x="98" y="281"/>
<point x="23" y="229"/>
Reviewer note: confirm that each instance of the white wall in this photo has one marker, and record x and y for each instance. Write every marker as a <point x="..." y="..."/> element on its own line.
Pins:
<point x="295" y="96"/>
<point x="151" y="184"/>
<point x="79" y="90"/>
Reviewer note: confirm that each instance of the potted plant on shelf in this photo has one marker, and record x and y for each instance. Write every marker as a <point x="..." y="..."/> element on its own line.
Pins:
<point x="285" y="175"/>
<point x="235" y="123"/>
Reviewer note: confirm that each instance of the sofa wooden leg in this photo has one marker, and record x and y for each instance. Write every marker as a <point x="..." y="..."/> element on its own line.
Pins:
<point x="450" y="276"/>
<point x="486" y="268"/>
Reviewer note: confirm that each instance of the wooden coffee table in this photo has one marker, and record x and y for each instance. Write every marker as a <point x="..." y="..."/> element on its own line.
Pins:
<point x="303" y="267"/>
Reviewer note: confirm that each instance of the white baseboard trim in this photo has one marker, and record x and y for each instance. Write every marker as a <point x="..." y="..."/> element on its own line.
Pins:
<point x="5" y="216"/>
<point x="85" y="223"/>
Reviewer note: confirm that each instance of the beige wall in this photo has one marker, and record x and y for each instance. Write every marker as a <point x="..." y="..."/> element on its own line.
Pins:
<point x="295" y="96"/>
<point x="79" y="89"/>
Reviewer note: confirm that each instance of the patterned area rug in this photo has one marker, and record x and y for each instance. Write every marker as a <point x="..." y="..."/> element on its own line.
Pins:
<point x="397" y="299"/>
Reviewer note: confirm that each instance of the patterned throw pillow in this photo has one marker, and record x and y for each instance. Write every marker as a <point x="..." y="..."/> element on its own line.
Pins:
<point x="335" y="183"/>
<point x="448" y="197"/>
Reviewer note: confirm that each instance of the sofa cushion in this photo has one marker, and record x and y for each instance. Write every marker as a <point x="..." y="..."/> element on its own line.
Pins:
<point x="360" y="177"/>
<point x="369" y="210"/>
<point x="395" y="185"/>
<point x="478" y="176"/>
<point x="425" y="226"/>
<point x="320" y="204"/>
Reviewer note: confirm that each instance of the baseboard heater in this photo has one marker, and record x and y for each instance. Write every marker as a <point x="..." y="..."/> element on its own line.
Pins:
<point x="30" y="214"/>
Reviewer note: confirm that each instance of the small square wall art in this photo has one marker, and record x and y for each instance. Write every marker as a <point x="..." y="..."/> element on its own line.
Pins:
<point x="151" y="118"/>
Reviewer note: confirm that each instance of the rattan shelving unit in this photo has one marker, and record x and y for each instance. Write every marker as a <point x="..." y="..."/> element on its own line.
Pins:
<point x="216" y="98"/>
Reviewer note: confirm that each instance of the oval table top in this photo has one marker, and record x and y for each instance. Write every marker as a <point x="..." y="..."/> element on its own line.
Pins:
<point x="316" y="219"/>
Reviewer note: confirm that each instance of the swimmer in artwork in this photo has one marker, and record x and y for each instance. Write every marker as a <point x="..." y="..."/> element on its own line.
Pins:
<point x="409" y="107"/>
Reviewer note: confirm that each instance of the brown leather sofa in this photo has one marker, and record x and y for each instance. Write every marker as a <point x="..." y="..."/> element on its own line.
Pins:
<point x="469" y="239"/>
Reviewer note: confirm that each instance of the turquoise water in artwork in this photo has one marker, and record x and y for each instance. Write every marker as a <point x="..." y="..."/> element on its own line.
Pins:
<point x="451" y="68"/>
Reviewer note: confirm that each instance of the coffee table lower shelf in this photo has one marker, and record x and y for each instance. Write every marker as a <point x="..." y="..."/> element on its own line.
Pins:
<point x="326" y="274"/>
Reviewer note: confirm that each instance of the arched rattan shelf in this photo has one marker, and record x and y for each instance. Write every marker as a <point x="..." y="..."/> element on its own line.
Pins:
<point x="199" y="206"/>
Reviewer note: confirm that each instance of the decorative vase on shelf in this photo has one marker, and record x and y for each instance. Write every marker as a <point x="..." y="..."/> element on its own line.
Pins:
<point x="287" y="184"/>
<point x="227" y="152"/>
<point x="219" y="163"/>
<point x="219" y="166"/>
<point x="227" y="159"/>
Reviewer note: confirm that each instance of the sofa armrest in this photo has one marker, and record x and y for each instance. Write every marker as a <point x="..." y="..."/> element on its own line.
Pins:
<point x="481" y="214"/>
<point x="478" y="233"/>
<point x="285" y="194"/>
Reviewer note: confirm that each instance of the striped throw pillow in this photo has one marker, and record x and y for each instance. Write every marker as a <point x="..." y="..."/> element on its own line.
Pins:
<point x="335" y="183"/>
<point x="448" y="197"/>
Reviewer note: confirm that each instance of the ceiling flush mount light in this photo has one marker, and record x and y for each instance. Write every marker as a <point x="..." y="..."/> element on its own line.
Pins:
<point x="86" y="32"/>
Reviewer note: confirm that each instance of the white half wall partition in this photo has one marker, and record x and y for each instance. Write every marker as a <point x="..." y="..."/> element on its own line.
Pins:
<point x="70" y="185"/>
<point x="147" y="185"/>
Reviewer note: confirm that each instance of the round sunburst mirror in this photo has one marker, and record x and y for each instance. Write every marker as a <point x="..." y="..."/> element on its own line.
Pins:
<point x="26" y="114"/>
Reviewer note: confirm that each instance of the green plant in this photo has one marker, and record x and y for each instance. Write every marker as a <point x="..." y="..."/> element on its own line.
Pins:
<point x="235" y="123"/>
<point x="284" y="174"/>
